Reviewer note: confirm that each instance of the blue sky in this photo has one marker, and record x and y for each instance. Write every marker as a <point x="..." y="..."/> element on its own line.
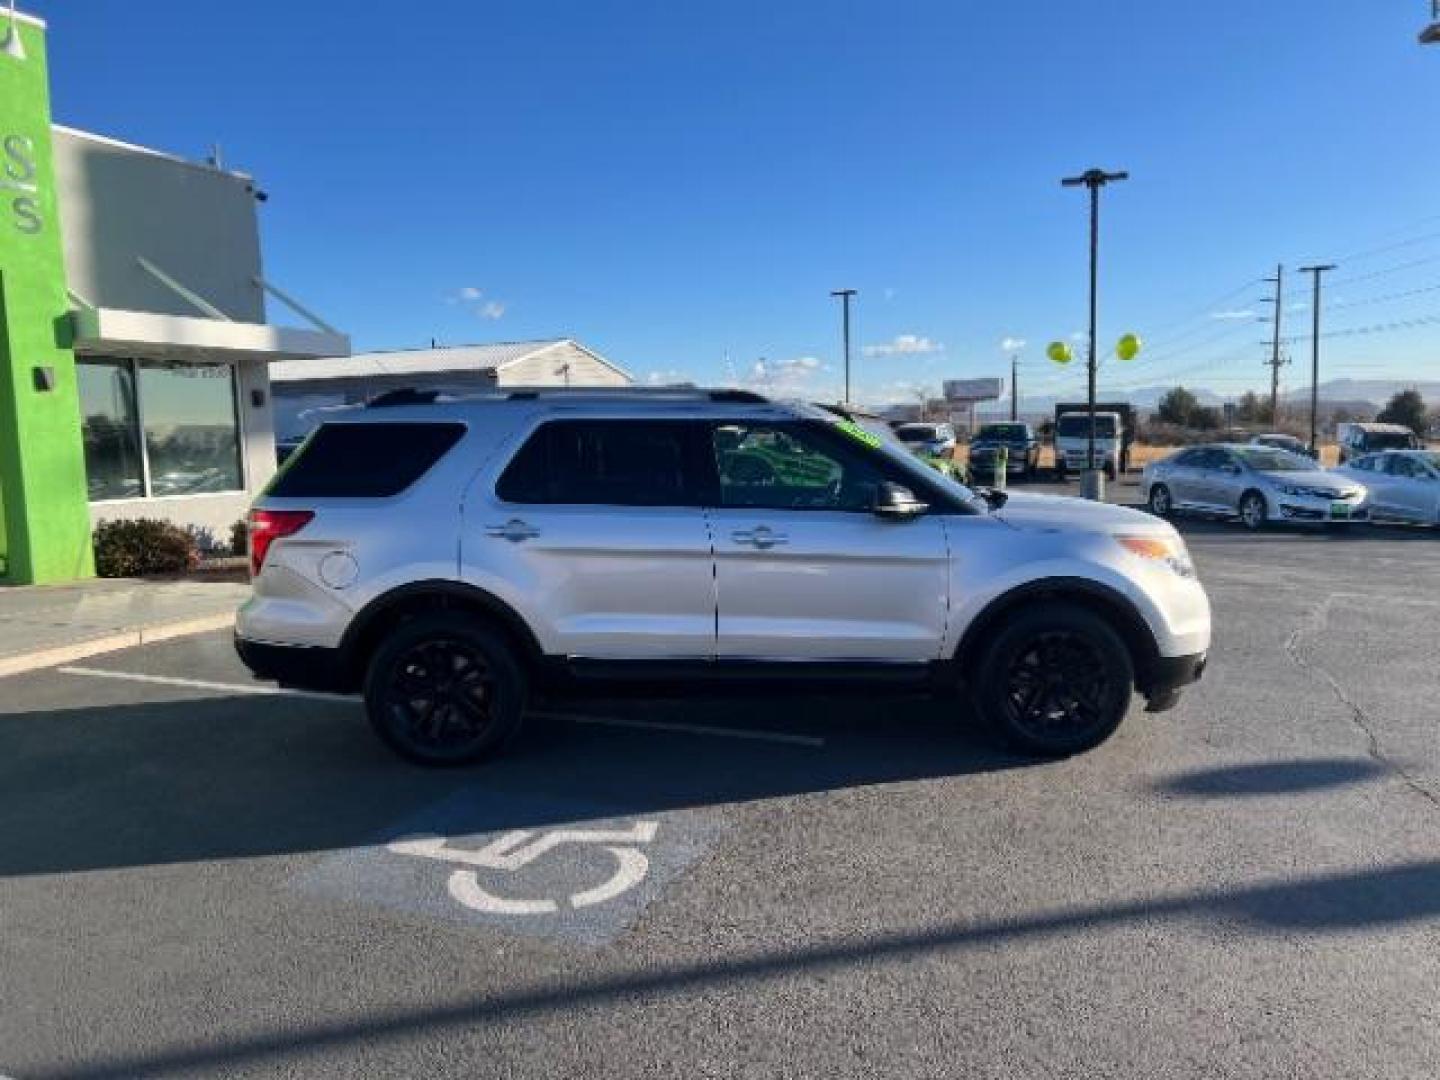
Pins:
<point x="677" y="183"/>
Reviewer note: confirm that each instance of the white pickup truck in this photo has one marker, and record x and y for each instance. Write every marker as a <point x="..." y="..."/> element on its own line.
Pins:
<point x="1072" y="442"/>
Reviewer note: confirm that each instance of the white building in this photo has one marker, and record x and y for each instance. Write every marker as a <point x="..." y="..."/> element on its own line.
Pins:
<point x="304" y="389"/>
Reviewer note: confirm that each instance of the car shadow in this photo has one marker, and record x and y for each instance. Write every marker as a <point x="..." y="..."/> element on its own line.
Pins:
<point x="1271" y="778"/>
<point x="236" y="777"/>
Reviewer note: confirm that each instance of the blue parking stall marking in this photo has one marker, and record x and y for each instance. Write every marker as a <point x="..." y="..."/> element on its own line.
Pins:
<point x="538" y="867"/>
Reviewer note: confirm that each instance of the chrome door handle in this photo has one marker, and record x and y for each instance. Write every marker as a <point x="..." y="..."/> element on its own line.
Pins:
<point x="513" y="530"/>
<point x="761" y="537"/>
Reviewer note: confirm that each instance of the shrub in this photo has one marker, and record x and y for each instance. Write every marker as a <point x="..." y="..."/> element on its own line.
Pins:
<point x="142" y="546"/>
<point x="239" y="538"/>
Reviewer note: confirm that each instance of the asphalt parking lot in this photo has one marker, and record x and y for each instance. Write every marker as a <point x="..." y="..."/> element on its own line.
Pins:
<point x="202" y="879"/>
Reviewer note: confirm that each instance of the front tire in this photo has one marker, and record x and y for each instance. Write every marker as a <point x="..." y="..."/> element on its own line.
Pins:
<point x="1160" y="503"/>
<point x="1253" y="511"/>
<point x="444" y="689"/>
<point x="1055" y="681"/>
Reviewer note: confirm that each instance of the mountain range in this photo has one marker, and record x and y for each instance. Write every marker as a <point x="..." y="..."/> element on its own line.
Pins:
<point x="1373" y="392"/>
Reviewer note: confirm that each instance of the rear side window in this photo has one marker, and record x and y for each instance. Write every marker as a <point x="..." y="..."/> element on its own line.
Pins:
<point x="367" y="461"/>
<point x="604" y="463"/>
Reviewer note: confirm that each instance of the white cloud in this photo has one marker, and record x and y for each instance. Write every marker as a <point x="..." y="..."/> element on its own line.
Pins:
<point x="791" y="375"/>
<point x="1012" y="344"/>
<point x="491" y="309"/>
<point x="668" y="377"/>
<point x="1238" y="313"/>
<point x="470" y="292"/>
<point x="904" y="345"/>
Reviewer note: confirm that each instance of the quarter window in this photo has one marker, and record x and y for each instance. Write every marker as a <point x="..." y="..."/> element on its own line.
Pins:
<point x="604" y="463"/>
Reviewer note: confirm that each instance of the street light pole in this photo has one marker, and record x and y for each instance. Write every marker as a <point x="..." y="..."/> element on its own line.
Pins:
<point x="845" y="295"/>
<point x="1094" y="179"/>
<point x="1315" y="272"/>
<point x="1014" y="387"/>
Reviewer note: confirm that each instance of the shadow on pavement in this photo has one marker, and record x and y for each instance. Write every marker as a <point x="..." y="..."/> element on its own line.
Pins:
<point x="233" y="777"/>
<point x="1271" y="778"/>
<point x="1339" y="902"/>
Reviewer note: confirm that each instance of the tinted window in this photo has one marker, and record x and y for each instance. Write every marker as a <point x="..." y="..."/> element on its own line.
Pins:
<point x="1208" y="458"/>
<point x="602" y="462"/>
<point x="1265" y="459"/>
<point x="1365" y="464"/>
<point x="1388" y="440"/>
<point x="364" y="460"/>
<point x="793" y="467"/>
<point x="1189" y="458"/>
<point x="1400" y="465"/>
<point x="1077" y="425"/>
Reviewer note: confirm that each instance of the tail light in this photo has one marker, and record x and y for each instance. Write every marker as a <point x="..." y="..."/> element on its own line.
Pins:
<point x="267" y="526"/>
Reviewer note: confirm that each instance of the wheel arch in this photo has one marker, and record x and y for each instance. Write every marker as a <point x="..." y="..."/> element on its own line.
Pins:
<point x="419" y="597"/>
<point x="1112" y="606"/>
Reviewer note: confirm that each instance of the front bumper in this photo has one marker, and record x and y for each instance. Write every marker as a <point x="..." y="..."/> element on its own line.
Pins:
<point x="1304" y="508"/>
<point x="1168" y="675"/>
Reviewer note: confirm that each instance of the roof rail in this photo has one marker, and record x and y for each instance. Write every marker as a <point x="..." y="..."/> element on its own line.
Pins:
<point x="405" y="395"/>
<point x="651" y="393"/>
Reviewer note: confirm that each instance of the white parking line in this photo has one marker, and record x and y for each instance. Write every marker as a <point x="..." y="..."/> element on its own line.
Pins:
<point x="602" y="721"/>
<point x="201" y="684"/>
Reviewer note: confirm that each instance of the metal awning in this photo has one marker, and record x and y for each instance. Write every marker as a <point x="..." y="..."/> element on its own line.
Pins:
<point x="142" y="333"/>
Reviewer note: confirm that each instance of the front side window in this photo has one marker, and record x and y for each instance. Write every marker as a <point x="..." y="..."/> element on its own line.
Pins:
<point x="792" y="467"/>
<point x="153" y="428"/>
<point x="603" y="463"/>
<point x="1402" y="466"/>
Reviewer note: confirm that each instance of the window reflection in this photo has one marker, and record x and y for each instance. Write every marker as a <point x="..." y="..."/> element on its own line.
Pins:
<point x="190" y="434"/>
<point x="110" y="428"/>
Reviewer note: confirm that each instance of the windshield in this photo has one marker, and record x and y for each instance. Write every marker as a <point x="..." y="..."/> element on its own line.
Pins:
<point x="1002" y="432"/>
<point x="917" y="432"/>
<point x="1389" y="440"/>
<point x="1077" y="425"/>
<point x="1270" y="459"/>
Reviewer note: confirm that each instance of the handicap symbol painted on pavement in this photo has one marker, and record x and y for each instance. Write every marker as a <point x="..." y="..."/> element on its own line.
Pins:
<point x="520" y="864"/>
<point x="516" y="849"/>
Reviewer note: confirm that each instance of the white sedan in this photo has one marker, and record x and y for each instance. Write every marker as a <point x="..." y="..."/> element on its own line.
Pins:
<point x="1404" y="484"/>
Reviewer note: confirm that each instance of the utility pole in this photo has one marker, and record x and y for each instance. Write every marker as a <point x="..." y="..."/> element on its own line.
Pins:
<point x="1275" y="361"/>
<point x="1015" y="387"/>
<point x="1315" y="272"/>
<point x="845" y="295"/>
<point x="1091" y="486"/>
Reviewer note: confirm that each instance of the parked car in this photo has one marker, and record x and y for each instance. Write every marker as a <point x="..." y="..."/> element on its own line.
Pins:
<point x="1018" y="441"/>
<point x="1404" y="485"/>
<point x="445" y="559"/>
<point x="1280" y="441"/>
<point x="937" y="440"/>
<point x="1358" y="439"/>
<point x="1257" y="484"/>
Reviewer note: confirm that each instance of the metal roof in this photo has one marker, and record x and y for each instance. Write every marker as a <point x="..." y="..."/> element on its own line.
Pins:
<point x="439" y="360"/>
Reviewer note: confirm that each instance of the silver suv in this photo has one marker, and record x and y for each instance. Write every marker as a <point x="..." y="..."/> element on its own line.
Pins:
<point x="446" y="557"/>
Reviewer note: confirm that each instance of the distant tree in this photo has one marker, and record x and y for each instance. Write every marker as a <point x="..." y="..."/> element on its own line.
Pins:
<point x="1177" y="407"/>
<point x="1407" y="408"/>
<point x="1206" y="418"/>
<point x="1253" y="409"/>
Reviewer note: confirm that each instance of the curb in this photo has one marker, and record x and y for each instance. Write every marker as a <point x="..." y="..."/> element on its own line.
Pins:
<point x="124" y="639"/>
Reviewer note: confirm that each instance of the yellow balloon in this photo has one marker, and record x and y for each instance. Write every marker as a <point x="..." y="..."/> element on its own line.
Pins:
<point x="1128" y="347"/>
<point x="1059" y="352"/>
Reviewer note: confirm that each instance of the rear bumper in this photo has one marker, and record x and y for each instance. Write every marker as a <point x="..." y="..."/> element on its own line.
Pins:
<point x="301" y="667"/>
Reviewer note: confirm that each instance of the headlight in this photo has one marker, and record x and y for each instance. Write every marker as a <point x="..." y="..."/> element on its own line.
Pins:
<point x="1169" y="550"/>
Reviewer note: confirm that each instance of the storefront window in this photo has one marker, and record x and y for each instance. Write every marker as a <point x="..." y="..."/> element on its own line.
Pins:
<point x="111" y="428"/>
<point x="190" y="431"/>
<point x="191" y="437"/>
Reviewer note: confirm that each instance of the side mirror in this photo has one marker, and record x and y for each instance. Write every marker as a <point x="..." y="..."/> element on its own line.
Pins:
<point x="994" y="497"/>
<point x="897" y="503"/>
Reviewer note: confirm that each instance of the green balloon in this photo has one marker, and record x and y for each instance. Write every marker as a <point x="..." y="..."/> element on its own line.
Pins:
<point x="1059" y="352"/>
<point x="1128" y="347"/>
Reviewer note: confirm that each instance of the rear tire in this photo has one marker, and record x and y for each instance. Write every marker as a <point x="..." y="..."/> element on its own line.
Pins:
<point x="445" y="689"/>
<point x="1055" y="681"/>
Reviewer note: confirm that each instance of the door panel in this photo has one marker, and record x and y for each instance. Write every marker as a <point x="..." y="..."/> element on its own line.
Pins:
<point x="818" y="585"/>
<point x="804" y="570"/>
<point x="637" y="585"/>
<point x="596" y="528"/>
